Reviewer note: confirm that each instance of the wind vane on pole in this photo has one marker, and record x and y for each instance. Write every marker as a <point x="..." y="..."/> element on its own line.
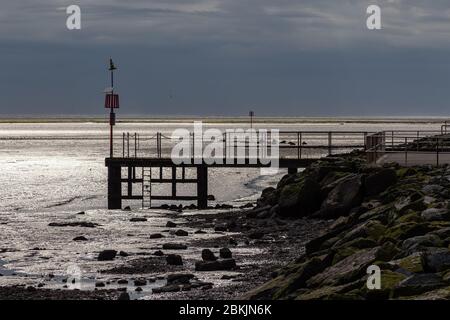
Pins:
<point x="111" y="102"/>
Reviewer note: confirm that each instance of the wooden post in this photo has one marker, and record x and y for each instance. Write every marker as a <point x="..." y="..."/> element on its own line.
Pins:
<point x="174" y="183"/>
<point x="202" y="187"/>
<point x="114" y="187"/>
<point x="129" y="182"/>
<point x="329" y="143"/>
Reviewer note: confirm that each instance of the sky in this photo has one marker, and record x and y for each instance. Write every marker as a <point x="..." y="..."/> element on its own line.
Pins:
<point x="226" y="57"/>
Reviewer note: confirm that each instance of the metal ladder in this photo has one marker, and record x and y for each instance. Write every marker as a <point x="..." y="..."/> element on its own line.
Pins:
<point x="146" y="188"/>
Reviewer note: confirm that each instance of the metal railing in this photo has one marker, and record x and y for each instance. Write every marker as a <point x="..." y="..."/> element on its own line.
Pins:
<point x="291" y="144"/>
<point x="410" y="147"/>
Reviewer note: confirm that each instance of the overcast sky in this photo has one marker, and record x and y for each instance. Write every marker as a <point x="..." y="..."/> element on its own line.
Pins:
<point x="224" y="57"/>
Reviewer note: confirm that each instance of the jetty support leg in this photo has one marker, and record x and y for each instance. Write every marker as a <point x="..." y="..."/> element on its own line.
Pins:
<point x="202" y="187"/>
<point x="114" y="187"/>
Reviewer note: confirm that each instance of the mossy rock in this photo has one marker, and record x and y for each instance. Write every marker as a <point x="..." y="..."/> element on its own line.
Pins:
<point x="300" y="199"/>
<point x="412" y="263"/>
<point x="436" y="225"/>
<point x="343" y="253"/>
<point x="380" y="213"/>
<point x="371" y="229"/>
<point x="410" y="216"/>
<point x="406" y="230"/>
<point x="387" y="251"/>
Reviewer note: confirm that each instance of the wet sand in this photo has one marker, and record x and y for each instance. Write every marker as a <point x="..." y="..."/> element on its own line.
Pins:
<point x="259" y="247"/>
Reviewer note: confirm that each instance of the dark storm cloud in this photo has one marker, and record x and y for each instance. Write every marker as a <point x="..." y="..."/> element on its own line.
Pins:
<point x="221" y="57"/>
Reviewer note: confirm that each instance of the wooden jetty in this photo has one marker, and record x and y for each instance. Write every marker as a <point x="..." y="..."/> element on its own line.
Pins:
<point x="130" y="174"/>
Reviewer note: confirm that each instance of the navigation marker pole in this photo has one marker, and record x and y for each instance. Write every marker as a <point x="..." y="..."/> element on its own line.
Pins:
<point x="111" y="102"/>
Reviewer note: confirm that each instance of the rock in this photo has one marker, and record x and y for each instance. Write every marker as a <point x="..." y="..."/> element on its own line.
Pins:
<point x="80" y="238"/>
<point x="232" y="241"/>
<point x="156" y="236"/>
<point x="412" y="263"/>
<point x="418" y="283"/>
<point x="406" y="230"/>
<point x="442" y="233"/>
<point x="127" y="208"/>
<point x="220" y="228"/>
<point x="81" y="213"/>
<point x="345" y="270"/>
<point x="171" y="224"/>
<point x="124" y="296"/>
<point x="140" y="282"/>
<point x="138" y="289"/>
<point x="428" y="240"/>
<point x="371" y="229"/>
<point x="218" y="265"/>
<point x="346" y="195"/>
<point x="83" y="224"/>
<point x="138" y="219"/>
<point x="225" y="253"/>
<point x="99" y="284"/>
<point x="179" y="278"/>
<point x="167" y="288"/>
<point x="410" y="203"/>
<point x="122" y="281"/>
<point x="432" y="189"/>
<point x="387" y="251"/>
<point x="437" y="261"/>
<point x="211" y="197"/>
<point x="181" y="233"/>
<point x="123" y="254"/>
<point x="174" y="260"/>
<point x="208" y="255"/>
<point x="256" y="235"/>
<point x="299" y="199"/>
<point x="107" y="255"/>
<point x="379" y="181"/>
<point x="435" y="214"/>
<point x="158" y="253"/>
<point x="269" y="197"/>
<point x="174" y="246"/>
<point x="200" y="232"/>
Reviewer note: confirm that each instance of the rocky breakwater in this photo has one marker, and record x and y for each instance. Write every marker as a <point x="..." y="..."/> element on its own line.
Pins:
<point x="391" y="217"/>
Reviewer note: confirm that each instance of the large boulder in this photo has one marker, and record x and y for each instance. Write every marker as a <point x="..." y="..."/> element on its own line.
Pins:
<point x="379" y="181"/>
<point x="299" y="199"/>
<point x="346" y="195"/>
